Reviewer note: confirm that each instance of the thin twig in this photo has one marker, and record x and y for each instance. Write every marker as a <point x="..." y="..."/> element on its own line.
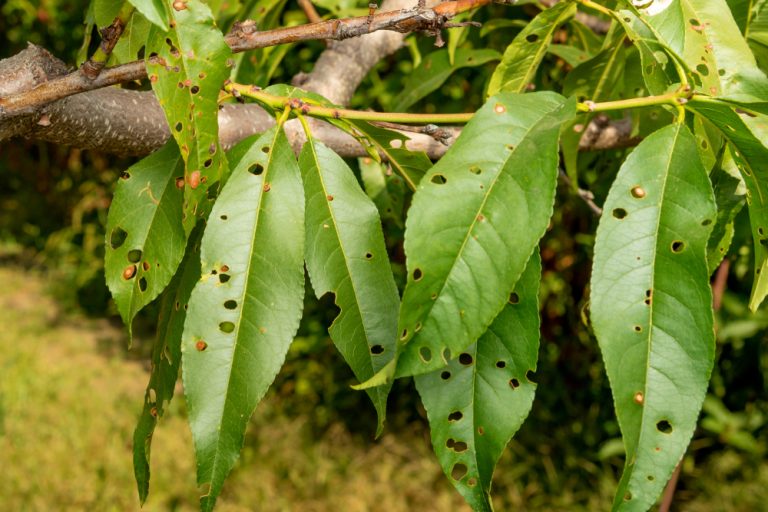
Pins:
<point x="585" y="195"/>
<point x="244" y="36"/>
<point x="669" y="490"/>
<point x="309" y="9"/>
<point x="109" y="37"/>
<point x="441" y="135"/>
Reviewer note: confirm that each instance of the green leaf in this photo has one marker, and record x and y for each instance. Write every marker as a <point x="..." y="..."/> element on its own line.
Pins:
<point x="657" y="65"/>
<point x="704" y="34"/>
<point x="89" y="22"/>
<point x="346" y="256"/>
<point x="730" y="196"/>
<point x="750" y="156"/>
<point x="105" y="11"/>
<point x="411" y="165"/>
<point x="522" y="57"/>
<point x="186" y="81"/>
<point x="572" y="55"/>
<point x="474" y="222"/>
<point x="166" y="360"/>
<point x="651" y="306"/>
<point x="145" y="238"/>
<point x="386" y="189"/>
<point x="477" y="403"/>
<point x="133" y="39"/>
<point x="245" y="310"/>
<point x="434" y="70"/>
<point x="742" y="12"/>
<point x="155" y="11"/>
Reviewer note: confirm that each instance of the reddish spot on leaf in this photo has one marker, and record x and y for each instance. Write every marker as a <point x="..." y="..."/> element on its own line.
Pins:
<point x="267" y="187"/>
<point x="129" y="272"/>
<point x="201" y="345"/>
<point x="194" y="180"/>
<point x="639" y="398"/>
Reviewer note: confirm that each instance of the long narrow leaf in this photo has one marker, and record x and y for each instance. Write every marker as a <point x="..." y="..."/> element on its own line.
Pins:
<point x="477" y="403"/>
<point x="651" y="306"/>
<point x="246" y="308"/>
<point x="346" y="256"/>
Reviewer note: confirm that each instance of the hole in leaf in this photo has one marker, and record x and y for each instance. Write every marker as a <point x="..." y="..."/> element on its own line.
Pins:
<point x="143" y="284"/>
<point x="178" y="126"/>
<point x="223" y="278"/>
<point x="134" y="256"/>
<point x="532" y="38"/>
<point x="208" y="163"/>
<point x="628" y="496"/>
<point x="213" y="191"/>
<point x="256" y="169"/>
<point x="445" y="375"/>
<point x="465" y="359"/>
<point x="227" y="327"/>
<point x="368" y="256"/>
<point x="377" y="349"/>
<point x="404" y="335"/>
<point x="125" y="175"/>
<point x="475" y="169"/>
<point x="651" y="478"/>
<point x="425" y="354"/>
<point x="619" y="213"/>
<point x="501" y="364"/>
<point x="117" y="238"/>
<point x="417" y="274"/>
<point x="438" y="179"/>
<point x="514" y="383"/>
<point x="265" y="149"/>
<point x="223" y="217"/>
<point x="530" y="375"/>
<point x="514" y="298"/>
<point x="230" y="304"/>
<point x="455" y="416"/>
<point x="678" y="246"/>
<point x="638" y="328"/>
<point x="459" y="471"/>
<point x="664" y="426"/>
<point x="706" y="222"/>
<point x="472" y="482"/>
<point x="194" y="89"/>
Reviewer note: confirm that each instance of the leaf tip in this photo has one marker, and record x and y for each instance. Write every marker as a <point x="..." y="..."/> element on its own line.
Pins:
<point x="382" y="377"/>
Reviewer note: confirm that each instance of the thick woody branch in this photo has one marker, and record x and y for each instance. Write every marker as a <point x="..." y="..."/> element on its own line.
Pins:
<point x="245" y="37"/>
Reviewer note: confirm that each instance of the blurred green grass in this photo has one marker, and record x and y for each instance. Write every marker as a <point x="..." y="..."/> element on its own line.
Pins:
<point x="69" y="398"/>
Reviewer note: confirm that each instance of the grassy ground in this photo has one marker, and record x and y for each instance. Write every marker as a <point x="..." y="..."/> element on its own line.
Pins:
<point x="69" y="399"/>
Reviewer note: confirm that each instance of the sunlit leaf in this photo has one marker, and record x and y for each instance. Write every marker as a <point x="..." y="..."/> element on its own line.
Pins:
<point x="245" y="310"/>
<point x="750" y="156"/>
<point x="145" y="238"/>
<point x="477" y="403"/>
<point x="186" y="79"/>
<point x="651" y="306"/>
<point x="155" y="11"/>
<point x="474" y="222"/>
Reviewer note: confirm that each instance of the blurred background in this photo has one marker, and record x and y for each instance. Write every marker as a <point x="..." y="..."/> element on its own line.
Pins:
<point x="71" y="390"/>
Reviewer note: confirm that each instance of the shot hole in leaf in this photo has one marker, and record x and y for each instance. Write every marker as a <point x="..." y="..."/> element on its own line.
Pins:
<point x="117" y="238"/>
<point x="377" y="350"/>
<point x="455" y="416"/>
<point x="368" y="256"/>
<point x="459" y="471"/>
<point x="475" y="170"/>
<point x="425" y="354"/>
<point x="664" y="426"/>
<point x="501" y="364"/>
<point x="619" y="213"/>
<point x="125" y="175"/>
<point x="404" y="335"/>
<point x="417" y="274"/>
<point x="223" y="217"/>
<point x="465" y="359"/>
<point x="514" y="383"/>
<point x="178" y="126"/>
<point x="678" y="246"/>
<point x="143" y="284"/>
<point x="134" y="255"/>
<point x="439" y="179"/>
<point x="472" y="482"/>
<point x="223" y="278"/>
<point x="628" y="496"/>
<point x="230" y="304"/>
<point x="530" y="375"/>
<point x="256" y="169"/>
<point x="532" y="38"/>
<point x="226" y="327"/>
<point x="638" y="328"/>
<point x="514" y="298"/>
<point x="208" y="163"/>
<point x="445" y="375"/>
<point x="265" y="149"/>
